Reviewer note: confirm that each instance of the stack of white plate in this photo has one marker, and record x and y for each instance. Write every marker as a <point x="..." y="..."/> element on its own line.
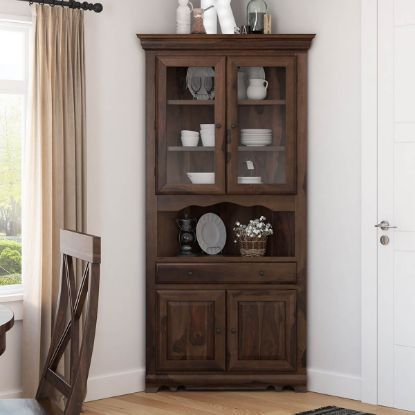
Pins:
<point x="250" y="180"/>
<point x="256" y="137"/>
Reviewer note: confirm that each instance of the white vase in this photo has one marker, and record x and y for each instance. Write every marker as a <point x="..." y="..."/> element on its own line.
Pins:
<point x="183" y="17"/>
<point x="226" y="18"/>
<point x="210" y="17"/>
<point x="257" y="89"/>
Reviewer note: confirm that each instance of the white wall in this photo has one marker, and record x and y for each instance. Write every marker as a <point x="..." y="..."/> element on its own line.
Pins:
<point x="334" y="302"/>
<point x="116" y="143"/>
<point x="116" y="106"/>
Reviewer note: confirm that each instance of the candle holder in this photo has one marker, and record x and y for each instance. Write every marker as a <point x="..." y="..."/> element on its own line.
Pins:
<point x="187" y="235"/>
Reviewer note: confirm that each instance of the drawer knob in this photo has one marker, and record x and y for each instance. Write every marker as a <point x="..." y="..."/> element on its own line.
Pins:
<point x="233" y="331"/>
<point x="218" y="331"/>
<point x="190" y="273"/>
<point x="261" y="273"/>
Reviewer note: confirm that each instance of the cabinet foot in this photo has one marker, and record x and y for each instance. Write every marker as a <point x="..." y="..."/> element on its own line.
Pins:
<point x="152" y="389"/>
<point x="300" y="389"/>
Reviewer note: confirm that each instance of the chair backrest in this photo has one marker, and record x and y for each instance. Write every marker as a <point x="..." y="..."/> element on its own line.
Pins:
<point x="75" y="321"/>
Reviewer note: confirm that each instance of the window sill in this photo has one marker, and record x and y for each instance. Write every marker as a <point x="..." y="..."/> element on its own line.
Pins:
<point x="12" y="297"/>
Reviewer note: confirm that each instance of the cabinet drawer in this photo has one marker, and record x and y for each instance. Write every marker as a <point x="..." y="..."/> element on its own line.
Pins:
<point x="255" y="273"/>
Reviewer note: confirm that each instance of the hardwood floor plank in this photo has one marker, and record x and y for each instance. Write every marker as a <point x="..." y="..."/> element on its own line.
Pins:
<point x="225" y="403"/>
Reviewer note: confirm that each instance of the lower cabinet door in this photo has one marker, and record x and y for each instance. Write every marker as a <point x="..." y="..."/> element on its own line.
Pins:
<point x="262" y="330"/>
<point x="191" y="330"/>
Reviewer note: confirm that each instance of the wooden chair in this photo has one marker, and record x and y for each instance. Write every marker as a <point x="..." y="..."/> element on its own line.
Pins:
<point x="75" y="322"/>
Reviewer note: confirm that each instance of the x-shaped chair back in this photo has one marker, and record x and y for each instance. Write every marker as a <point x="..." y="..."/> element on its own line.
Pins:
<point x="75" y="321"/>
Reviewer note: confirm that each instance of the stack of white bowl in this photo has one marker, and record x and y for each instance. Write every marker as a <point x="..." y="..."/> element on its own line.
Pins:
<point x="256" y="137"/>
<point x="190" y="138"/>
<point x="207" y="132"/>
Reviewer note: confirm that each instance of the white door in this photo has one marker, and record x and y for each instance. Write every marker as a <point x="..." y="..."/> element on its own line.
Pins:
<point x="396" y="204"/>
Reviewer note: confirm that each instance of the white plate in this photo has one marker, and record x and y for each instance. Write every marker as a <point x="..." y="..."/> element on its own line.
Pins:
<point x="250" y="180"/>
<point x="254" y="72"/>
<point x="211" y="233"/>
<point x="200" y="76"/>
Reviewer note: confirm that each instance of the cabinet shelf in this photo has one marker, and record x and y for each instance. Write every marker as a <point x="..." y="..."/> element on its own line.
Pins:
<point x="262" y="148"/>
<point x="190" y="102"/>
<point x="190" y="149"/>
<point x="263" y="102"/>
<point x="223" y="258"/>
<point x="240" y="148"/>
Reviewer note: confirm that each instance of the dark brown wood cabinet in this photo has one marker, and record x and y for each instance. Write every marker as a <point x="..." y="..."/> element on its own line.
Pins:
<point x="226" y="321"/>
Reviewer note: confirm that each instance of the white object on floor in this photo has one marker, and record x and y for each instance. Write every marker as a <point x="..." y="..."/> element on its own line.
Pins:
<point x="226" y="18"/>
<point x="210" y="17"/>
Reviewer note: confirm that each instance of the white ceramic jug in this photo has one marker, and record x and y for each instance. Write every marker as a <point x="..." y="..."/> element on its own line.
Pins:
<point x="257" y="89"/>
<point x="183" y="17"/>
<point x="210" y="17"/>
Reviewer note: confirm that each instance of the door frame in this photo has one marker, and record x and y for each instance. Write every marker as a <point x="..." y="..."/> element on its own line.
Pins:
<point x="369" y="202"/>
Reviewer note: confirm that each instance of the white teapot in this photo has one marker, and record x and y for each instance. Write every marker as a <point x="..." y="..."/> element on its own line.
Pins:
<point x="257" y="89"/>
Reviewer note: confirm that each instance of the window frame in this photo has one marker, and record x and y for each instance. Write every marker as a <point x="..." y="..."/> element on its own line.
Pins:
<point x="18" y="24"/>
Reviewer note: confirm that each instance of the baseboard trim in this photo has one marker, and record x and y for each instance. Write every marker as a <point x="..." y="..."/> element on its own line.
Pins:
<point x="334" y="384"/>
<point x="116" y="384"/>
<point x="13" y="394"/>
<point x="132" y="381"/>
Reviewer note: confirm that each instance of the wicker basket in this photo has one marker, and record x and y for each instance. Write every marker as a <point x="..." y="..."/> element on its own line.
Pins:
<point x="256" y="247"/>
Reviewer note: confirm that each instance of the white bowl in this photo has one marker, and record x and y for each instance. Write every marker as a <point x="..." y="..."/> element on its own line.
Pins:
<point x="201" y="178"/>
<point x="208" y="140"/>
<point x="190" y="141"/>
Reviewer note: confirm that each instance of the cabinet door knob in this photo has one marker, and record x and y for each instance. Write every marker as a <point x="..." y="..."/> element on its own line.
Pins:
<point x="233" y="125"/>
<point x="190" y="273"/>
<point x="218" y="331"/>
<point x="233" y="331"/>
<point x="261" y="273"/>
<point x="218" y="125"/>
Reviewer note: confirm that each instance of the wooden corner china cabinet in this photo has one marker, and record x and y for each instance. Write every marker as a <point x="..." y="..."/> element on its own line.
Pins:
<point x="226" y="321"/>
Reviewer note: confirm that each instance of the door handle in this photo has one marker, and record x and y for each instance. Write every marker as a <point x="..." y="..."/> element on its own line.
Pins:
<point x="384" y="225"/>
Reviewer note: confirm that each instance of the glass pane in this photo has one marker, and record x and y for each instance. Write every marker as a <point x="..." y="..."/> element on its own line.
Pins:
<point x="11" y="134"/>
<point x="12" y="56"/>
<point x="262" y="121"/>
<point x="190" y="126"/>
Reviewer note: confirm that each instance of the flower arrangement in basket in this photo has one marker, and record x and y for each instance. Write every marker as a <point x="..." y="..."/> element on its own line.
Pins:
<point x="252" y="238"/>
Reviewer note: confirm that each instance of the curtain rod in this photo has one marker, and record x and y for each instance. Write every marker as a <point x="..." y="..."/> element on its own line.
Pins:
<point x="97" y="7"/>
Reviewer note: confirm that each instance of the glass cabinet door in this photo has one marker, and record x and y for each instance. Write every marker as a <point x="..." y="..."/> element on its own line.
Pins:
<point x="261" y="125"/>
<point x="191" y="125"/>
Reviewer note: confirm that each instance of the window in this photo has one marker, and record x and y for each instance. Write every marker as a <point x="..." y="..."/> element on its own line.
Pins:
<point x="14" y="62"/>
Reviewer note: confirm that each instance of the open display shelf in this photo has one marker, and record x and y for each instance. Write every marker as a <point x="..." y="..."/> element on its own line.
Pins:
<point x="226" y="320"/>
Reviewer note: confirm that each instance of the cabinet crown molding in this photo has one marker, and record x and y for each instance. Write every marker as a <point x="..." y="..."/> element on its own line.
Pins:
<point x="297" y="42"/>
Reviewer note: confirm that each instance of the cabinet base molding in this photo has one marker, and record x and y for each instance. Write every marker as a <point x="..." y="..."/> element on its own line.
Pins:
<point x="175" y="382"/>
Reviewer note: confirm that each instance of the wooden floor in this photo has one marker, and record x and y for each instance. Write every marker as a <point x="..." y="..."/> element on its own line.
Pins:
<point x="225" y="403"/>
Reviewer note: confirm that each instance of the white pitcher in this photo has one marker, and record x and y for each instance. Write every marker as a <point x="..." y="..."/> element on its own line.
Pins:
<point x="183" y="17"/>
<point x="257" y="89"/>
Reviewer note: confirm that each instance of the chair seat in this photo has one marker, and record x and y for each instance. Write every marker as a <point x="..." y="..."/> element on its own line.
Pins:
<point x="28" y="407"/>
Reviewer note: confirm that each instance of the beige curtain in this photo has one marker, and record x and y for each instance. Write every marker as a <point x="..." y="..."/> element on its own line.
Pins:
<point x="54" y="170"/>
